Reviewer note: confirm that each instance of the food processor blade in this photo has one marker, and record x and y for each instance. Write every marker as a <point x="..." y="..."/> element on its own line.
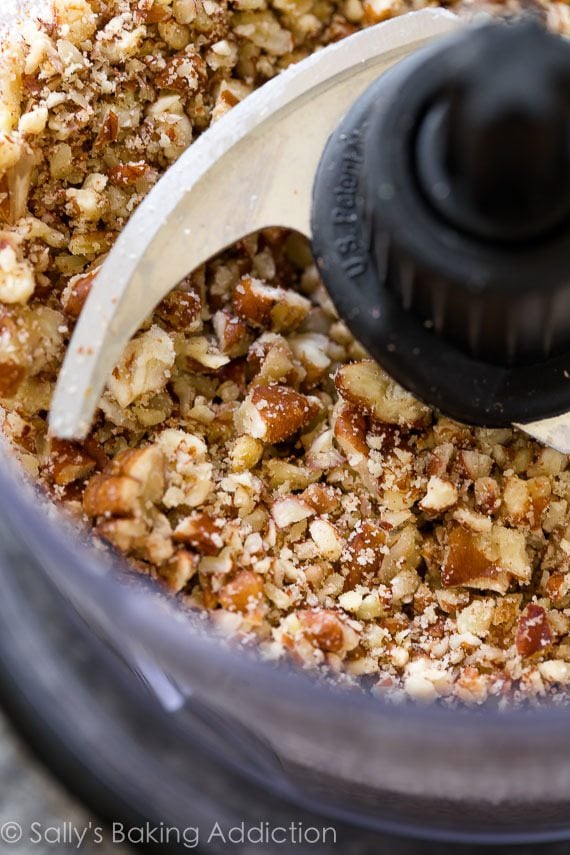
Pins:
<point x="255" y="168"/>
<point x="278" y="159"/>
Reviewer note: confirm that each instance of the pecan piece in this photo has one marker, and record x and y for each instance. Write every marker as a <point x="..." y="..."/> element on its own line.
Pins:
<point x="323" y="628"/>
<point x="288" y="510"/>
<point x="179" y="570"/>
<point x="243" y="593"/>
<point x="77" y="292"/>
<point x="350" y="429"/>
<point x="11" y="376"/>
<point x="201" y="531"/>
<point x="322" y="497"/>
<point x="109" y="130"/>
<point x="185" y="72"/>
<point x="182" y="310"/>
<point x="466" y="562"/>
<point x="146" y="466"/>
<point x="326" y="538"/>
<point x="487" y="495"/>
<point x="262" y="305"/>
<point x="441" y="495"/>
<point x="366" y="386"/>
<point x="365" y="552"/>
<point x="274" y="413"/>
<point x="474" y="464"/>
<point x="232" y="333"/>
<point x="111" y="495"/>
<point x="524" y="501"/>
<point x="127" y="174"/>
<point x="558" y="587"/>
<point x="69" y="462"/>
<point x="533" y="633"/>
<point x="156" y="13"/>
<point x="485" y="560"/>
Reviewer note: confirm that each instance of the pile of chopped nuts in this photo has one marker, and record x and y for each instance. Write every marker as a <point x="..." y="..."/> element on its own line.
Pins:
<point x="247" y="454"/>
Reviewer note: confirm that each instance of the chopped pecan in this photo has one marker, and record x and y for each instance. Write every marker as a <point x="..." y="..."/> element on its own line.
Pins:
<point x="350" y="429"/>
<point x="270" y="360"/>
<point x="246" y="453"/>
<point x="182" y="310"/>
<point x="274" y="413"/>
<point x="311" y="351"/>
<point x="179" y="570"/>
<point x="243" y="593"/>
<point x="558" y="587"/>
<point x="533" y="633"/>
<point x="232" y="333"/>
<point x="323" y="628"/>
<point x="485" y="560"/>
<point x="261" y="305"/>
<point x="69" y="461"/>
<point x="185" y="72"/>
<point x="111" y="495"/>
<point x="466" y="562"/>
<point x="474" y="464"/>
<point x="202" y="531"/>
<point x="487" y="495"/>
<point x="127" y="174"/>
<point x="327" y="539"/>
<point x="288" y="510"/>
<point x="17" y="279"/>
<point x="365" y="550"/>
<point x="441" y="495"/>
<point x="146" y="466"/>
<point x="366" y="386"/>
<point x="322" y="497"/>
<point x="11" y="377"/>
<point x="202" y="354"/>
<point x="144" y="367"/>
<point x="109" y="131"/>
<point x="125" y="533"/>
<point x="77" y="292"/>
<point x="156" y="13"/>
<point x="440" y="458"/>
<point x="524" y="501"/>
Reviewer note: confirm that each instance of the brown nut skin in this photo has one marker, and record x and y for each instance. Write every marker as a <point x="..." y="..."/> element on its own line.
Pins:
<point x="464" y="561"/>
<point x="350" y="429"/>
<point x="11" y="377"/>
<point x="372" y="392"/>
<point x="274" y="413"/>
<point x="278" y="309"/>
<point x="182" y="310"/>
<point x="111" y="495"/>
<point x="80" y="289"/>
<point x="533" y="633"/>
<point x="69" y="461"/>
<point x="364" y="555"/>
<point x="109" y="130"/>
<point x="127" y="174"/>
<point x="243" y="593"/>
<point x="200" y="531"/>
<point x="323" y="628"/>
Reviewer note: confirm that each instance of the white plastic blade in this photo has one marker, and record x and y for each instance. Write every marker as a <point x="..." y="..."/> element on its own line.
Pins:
<point x="554" y="432"/>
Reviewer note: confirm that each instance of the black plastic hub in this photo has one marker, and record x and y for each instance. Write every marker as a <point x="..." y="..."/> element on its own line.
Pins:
<point x="441" y="223"/>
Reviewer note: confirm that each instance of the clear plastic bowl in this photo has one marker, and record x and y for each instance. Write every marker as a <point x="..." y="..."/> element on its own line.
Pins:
<point x="147" y="717"/>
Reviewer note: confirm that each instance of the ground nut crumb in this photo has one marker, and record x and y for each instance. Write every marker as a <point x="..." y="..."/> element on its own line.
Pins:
<point x="248" y="455"/>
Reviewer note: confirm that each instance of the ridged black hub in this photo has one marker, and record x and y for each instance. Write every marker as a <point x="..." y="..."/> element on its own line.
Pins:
<point x="447" y="256"/>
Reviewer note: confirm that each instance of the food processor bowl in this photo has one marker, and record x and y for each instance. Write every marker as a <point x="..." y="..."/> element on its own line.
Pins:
<point x="150" y="718"/>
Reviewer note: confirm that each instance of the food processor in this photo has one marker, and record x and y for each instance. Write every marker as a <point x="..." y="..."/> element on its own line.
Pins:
<point x="149" y="718"/>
